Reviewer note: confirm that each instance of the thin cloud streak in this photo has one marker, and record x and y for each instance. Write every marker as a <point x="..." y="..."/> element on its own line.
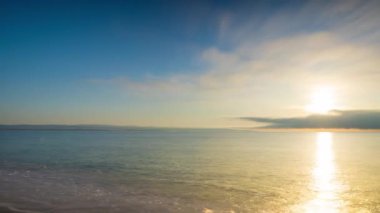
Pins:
<point x="337" y="119"/>
<point x="307" y="57"/>
<point x="319" y="48"/>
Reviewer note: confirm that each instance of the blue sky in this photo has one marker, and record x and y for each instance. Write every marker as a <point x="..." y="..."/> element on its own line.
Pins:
<point x="183" y="63"/>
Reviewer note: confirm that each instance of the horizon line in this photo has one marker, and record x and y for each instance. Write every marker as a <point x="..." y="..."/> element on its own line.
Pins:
<point x="107" y="127"/>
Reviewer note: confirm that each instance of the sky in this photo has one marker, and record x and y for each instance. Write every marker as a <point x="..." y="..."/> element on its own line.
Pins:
<point x="277" y="63"/>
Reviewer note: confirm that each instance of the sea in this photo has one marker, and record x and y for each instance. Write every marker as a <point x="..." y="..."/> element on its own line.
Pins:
<point x="188" y="170"/>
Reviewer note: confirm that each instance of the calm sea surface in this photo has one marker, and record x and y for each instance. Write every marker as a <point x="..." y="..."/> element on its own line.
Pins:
<point x="189" y="171"/>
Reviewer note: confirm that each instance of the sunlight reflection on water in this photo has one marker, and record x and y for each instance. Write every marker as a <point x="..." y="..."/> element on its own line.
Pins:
<point x="325" y="184"/>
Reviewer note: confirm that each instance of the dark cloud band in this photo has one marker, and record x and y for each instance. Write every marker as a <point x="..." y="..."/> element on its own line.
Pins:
<point x="336" y="119"/>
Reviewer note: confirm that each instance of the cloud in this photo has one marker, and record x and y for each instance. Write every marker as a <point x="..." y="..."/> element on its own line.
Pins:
<point x="337" y="119"/>
<point x="311" y="57"/>
<point x="271" y="63"/>
<point x="316" y="38"/>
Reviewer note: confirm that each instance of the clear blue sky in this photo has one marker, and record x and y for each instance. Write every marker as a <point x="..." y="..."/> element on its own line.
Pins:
<point x="180" y="63"/>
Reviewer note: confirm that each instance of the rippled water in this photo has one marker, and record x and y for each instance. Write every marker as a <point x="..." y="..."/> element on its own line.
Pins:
<point x="189" y="171"/>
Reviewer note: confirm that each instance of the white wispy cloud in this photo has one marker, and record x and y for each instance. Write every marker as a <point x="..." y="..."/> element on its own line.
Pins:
<point x="316" y="56"/>
<point x="339" y="48"/>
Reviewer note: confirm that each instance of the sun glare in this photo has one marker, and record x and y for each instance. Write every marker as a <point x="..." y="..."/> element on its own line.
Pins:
<point x="322" y="100"/>
<point x="325" y="184"/>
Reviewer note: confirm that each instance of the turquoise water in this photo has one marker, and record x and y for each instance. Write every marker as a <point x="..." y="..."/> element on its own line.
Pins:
<point x="189" y="171"/>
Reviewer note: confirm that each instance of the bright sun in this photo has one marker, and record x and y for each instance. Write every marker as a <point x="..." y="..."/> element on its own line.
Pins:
<point x="322" y="100"/>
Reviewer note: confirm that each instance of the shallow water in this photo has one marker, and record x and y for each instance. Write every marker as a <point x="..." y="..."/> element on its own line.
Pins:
<point x="189" y="171"/>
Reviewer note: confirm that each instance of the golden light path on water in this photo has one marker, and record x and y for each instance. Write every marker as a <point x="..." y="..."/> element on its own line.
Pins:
<point x="325" y="183"/>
